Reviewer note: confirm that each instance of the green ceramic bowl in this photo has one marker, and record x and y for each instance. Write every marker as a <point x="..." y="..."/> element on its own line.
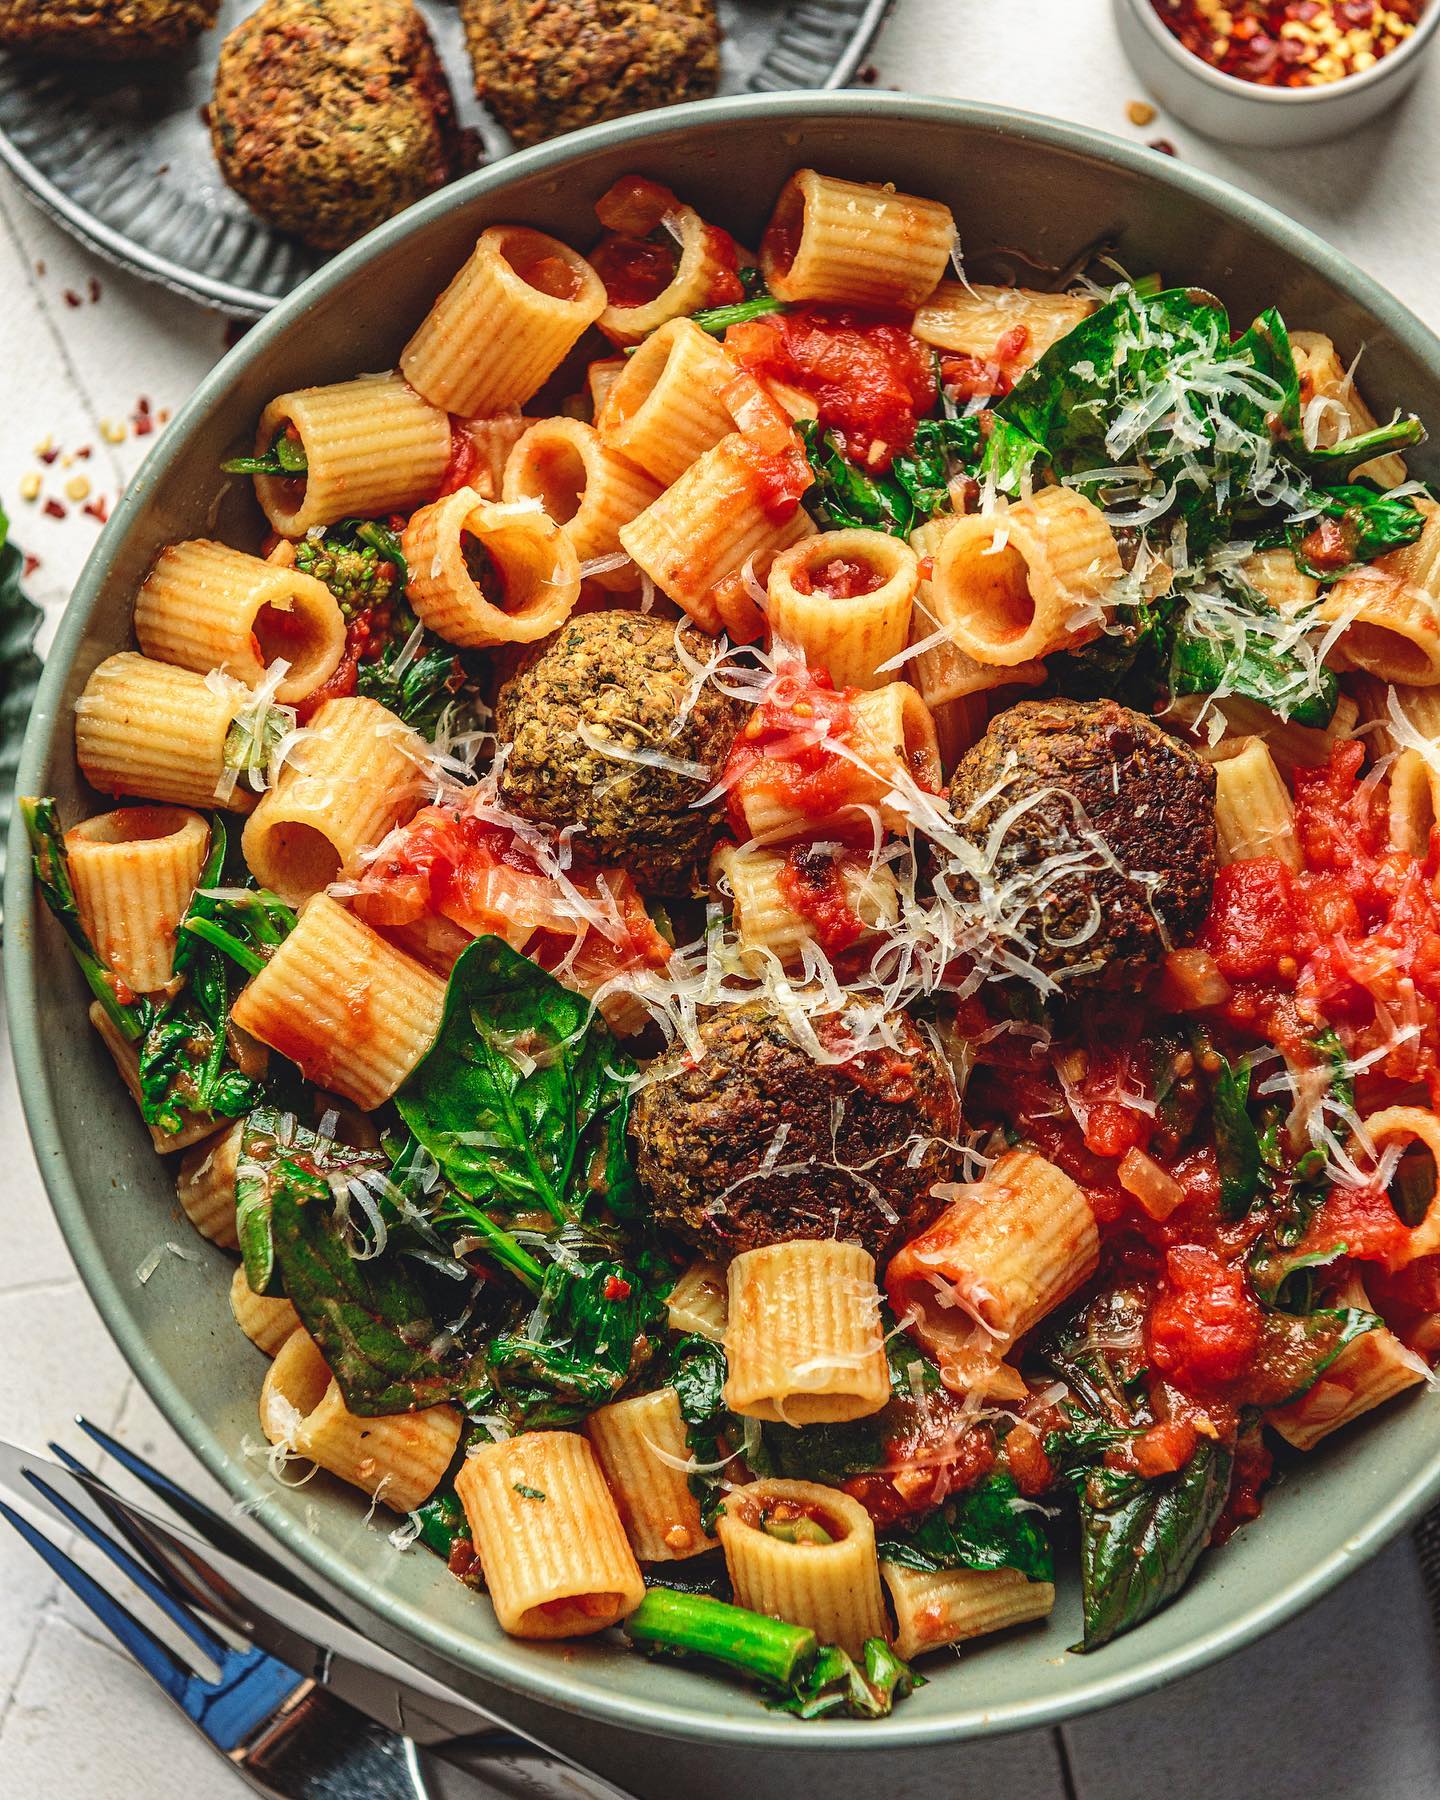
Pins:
<point x="1012" y="181"/>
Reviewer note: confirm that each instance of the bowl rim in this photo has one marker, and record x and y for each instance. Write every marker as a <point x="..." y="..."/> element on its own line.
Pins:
<point x="1237" y="89"/>
<point x="248" y="1486"/>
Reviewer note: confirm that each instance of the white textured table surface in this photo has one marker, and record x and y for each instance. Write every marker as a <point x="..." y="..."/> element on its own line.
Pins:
<point x="1341" y="1704"/>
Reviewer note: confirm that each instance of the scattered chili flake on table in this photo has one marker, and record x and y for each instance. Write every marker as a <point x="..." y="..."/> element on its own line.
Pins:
<point x="1290" y="43"/>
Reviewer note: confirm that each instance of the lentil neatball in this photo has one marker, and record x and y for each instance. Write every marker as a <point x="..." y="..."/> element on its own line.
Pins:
<point x="757" y="1142"/>
<point x="617" y="679"/>
<point x="107" y="30"/>
<point x="1092" y="766"/>
<point x="552" y="67"/>
<point x="330" y="116"/>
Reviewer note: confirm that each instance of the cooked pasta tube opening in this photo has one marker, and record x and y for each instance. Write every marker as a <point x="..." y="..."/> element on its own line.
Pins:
<point x="297" y="1381"/>
<point x="1414" y="1189"/>
<point x="785" y="231"/>
<point x="844" y="598"/>
<point x="297" y="629"/>
<point x="133" y="872"/>
<point x="1390" y="655"/>
<point x="553" y="472"/>
<point x="485" y="574"/>
<point x="544" y="263"/>
<point x="133" y="825"/>
<point x="299" y="857"/>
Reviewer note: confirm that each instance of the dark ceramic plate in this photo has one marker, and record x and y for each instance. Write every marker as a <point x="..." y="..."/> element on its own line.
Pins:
<point x="121" y="156"/>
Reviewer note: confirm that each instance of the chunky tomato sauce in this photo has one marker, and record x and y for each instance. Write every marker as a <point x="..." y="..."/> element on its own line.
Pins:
<point x="812" y="880"/>
<point x="638" y="258"/>
<point x="785" y="748"/>
<point x="870" y="379"/>
<point x="842" y="578"/>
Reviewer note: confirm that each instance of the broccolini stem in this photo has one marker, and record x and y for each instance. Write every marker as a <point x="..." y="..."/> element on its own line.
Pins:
<point x="773" y="1651"/>
<point x="717" y="319"/>
<point x="1350" y="453"/>
<point x="218" y="938"/>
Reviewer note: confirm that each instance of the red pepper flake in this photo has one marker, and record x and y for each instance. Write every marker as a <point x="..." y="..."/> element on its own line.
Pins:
<point x="143" y="424"/>
<point x="868" y="76"/>
<point x="94" y="289"/>
<point x="54" y="510"/>
<point x="1164" y="146"/>
<point x="1290" y="43"/>
<point x="72" y="298"/>
<point x="32" y="563"/>
<point x="98" y="508"/>
<point x="163" y="416"/>
<point x="40" y="268"/>
<point x="49" y="454"/>
<point x="83" y="453"/>
<point x="616" y="1288"/>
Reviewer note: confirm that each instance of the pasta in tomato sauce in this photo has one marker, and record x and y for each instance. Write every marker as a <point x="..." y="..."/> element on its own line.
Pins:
<point x="838" y="948"/>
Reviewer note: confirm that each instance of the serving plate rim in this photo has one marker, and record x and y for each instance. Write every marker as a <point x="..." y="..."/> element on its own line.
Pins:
<point x="645" y="1713"/>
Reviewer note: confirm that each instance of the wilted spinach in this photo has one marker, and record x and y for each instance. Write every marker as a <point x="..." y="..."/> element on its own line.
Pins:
<point x="987" y="1527"/>
<point x="1140" y="1539"/>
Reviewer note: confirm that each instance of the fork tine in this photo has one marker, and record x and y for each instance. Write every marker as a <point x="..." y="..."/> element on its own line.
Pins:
<point x="144" y="1578"/>
<point x="201" y="1519"/>
<point x="157" y="1660"/>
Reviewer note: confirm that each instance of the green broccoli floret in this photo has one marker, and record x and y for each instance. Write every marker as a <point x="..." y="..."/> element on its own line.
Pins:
<point x="356" y="574"/>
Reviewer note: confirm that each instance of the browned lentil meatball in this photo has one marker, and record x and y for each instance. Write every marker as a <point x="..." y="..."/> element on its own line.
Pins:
<point x="757" y="1142"/>
<point x="548" y="66"/>
<point x="330" y="116"/>
<point x="1096" y="767"/>
<point x="616" y="678"/>
<point x="107" y="30"/>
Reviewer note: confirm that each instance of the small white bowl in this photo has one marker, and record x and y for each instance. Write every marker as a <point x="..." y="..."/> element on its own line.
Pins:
<point x="1242" y="112"/>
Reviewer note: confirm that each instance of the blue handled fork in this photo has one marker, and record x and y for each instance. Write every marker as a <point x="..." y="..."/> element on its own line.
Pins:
<point x="279" y="1727"/>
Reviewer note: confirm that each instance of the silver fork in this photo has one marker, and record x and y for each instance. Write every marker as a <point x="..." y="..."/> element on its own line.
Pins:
<point x="280" y="1728"/>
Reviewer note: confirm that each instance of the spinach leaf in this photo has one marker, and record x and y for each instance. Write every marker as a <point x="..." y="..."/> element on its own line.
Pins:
<point x="842" y="495"/>
<point x="1227" y="641"/>
<point x="1275" y="1273"/>
<point x="1141" y="1539"/>
<point x="369" y="1317"/>
<point x="19" y="665"/>
<point x="270" y="1140"/>
<point x="522" y="1099"/>
<point x="1237" y="1143"/>
<point x="1370" y="522"/>
<point x="698" y="1371"/>
<point x="590" y="1333"/>
<point x="1339" y="461"/>
<point x="940" y="449"/>
<point x="981" y="1529"/>
<point x="1296" y="1350"/>
<point x="420" y="691"/>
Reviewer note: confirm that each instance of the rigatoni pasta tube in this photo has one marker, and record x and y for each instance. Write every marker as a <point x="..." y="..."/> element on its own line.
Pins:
<point x="998" y="325"/>
<point x="492" y="441"/>
<point x="1007" y="1251"/>
<point x="641" y="1444"/>
<point x="1341" y="412"/>
<point x="353" y="1012"/>
<point x="708" y="525"/>
<point x="397" y="1458"/>
<point x="372" y="446"/>
<point x="844" y="599"/>
<point x="1417" y="1129"/>
<point x="698" y="268"/>
<point x="1026" y="580"/>
<point x="152" y="729"/>
<point x="194" y="1126"/>
<point x="854" y="244"/>
<point x="1292" y="746"/>
<point x="941" y="670"/>
<point x="484" y="574"/>
<point x="505" y="323"/>
<point x="1368" y="1372"/>
<point x="551" y="1543"/>
<point x="1391" y="611"/>
<point x="764" y="884"/>
<point x="134" y="872"/>
<point x="268" y="1323"/>
<point x="356" y="774"/>
<point x="1254" y="814"/>
<point x="697" y="1301"/>
<point x="805" y="1553"/>
<point x="1414" y="803"/>
<point x="1273" y="574"/>
<point x="588" y="489"/>
<point x="664" y="409"/>
<point x="802" y="1333"/>
<point x="945" y="1606"/>
<point x="890" y="737"/>
<point x="206" y="606"/>
<point x="206" y="1186"/>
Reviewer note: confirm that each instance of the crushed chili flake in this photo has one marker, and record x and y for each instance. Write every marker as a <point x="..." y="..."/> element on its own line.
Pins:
<point x="32" y="563"/>
<point x="143" y="424"/>
<point x="47" y="452"/>
<point x="72" y="298"/>
<point x="54" y="510"/>
<point x="98" y="508"/>
<point x="94" y="289"/>
<point x="1163" y="145"/>
<point x="1290" y="43"/>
